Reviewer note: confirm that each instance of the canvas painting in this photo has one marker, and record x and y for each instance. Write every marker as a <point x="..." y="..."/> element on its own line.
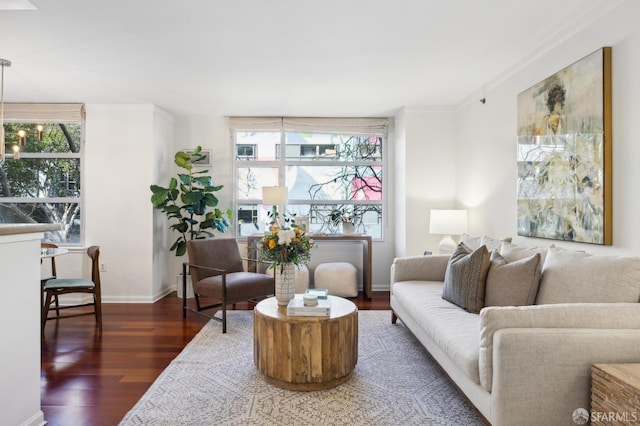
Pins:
<point x="564" y="154"/>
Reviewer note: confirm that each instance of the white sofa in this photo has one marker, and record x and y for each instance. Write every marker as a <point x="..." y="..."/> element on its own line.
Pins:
<point x="527" y="365"/>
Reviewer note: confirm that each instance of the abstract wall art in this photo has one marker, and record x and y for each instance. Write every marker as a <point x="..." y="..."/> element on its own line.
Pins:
<point x="564" y="154"/>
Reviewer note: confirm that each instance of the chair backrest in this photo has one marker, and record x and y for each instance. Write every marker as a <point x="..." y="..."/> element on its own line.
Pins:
<point x="221" y="253"/>
<point x="94" y="254"/>
<point x="53" y="260"/>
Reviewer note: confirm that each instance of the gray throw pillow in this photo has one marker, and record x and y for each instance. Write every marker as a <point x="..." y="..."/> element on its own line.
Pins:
<point x="512" y="283"/>
<point x="465" y="278"/>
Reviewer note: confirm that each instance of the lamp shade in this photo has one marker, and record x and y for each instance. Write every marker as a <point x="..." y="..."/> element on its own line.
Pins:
<point x="448" y="222"/>
<point x="275" y="195"/>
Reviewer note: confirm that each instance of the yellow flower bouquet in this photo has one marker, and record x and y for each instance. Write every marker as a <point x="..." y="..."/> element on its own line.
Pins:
<point x="282" y="246"/>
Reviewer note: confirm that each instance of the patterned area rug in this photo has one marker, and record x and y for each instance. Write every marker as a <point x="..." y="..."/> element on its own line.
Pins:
<point x="214" y="382"/>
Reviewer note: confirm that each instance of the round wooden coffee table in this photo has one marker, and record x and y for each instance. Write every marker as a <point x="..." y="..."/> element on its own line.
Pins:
<point x="305" y="353"/>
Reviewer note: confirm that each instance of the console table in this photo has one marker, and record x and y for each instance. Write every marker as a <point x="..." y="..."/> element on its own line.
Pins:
<point x="366" y="253"/>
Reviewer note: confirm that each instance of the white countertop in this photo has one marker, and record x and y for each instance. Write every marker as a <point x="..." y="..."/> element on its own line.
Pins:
<point x="28" y="228"/>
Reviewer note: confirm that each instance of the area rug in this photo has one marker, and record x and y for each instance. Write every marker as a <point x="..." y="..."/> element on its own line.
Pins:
<point x="214" y="382"/>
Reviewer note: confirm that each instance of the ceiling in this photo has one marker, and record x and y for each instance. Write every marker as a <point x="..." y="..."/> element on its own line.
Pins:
<point x="278" y="57"/>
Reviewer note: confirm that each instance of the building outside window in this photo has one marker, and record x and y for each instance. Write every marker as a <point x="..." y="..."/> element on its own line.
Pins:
<point x="44" y="185"/>
<point x="333" y="169"/>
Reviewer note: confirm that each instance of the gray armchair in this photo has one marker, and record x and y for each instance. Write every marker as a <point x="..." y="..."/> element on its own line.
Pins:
<point x="217" y="272"/>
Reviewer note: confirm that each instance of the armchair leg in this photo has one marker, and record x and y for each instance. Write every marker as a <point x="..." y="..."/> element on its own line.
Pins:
<point x="224" y="319"/>
<point x="184" y="291"/>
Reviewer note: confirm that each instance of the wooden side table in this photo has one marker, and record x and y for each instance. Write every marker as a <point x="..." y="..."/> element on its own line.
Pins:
<point x="305" y="353"/>
<point x="615" y="394"/>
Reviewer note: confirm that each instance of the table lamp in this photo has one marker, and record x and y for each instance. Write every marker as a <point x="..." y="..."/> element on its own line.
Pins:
<point x="276" y="196"/>
<point x="447" y="223"/>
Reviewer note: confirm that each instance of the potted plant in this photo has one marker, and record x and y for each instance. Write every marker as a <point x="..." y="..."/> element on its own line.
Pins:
<point x="341" y="220"/>
<point x="190" y="202"/>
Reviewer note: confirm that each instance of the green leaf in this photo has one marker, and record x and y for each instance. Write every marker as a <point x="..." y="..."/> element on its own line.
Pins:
<point x="200" y="208"/>
<point x="192" y="197"/>
<point x="181" y="227"/>
<point x="203" y="180"/>
<point x="210" y="200"/>
<point x="185" y="179"/>
<point x="181" y="249"/>
<point x="183" y="160"/>
<point x="173" y="184"/>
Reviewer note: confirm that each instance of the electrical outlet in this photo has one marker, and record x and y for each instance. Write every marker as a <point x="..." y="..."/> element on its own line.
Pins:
<point x="103" y="267"/>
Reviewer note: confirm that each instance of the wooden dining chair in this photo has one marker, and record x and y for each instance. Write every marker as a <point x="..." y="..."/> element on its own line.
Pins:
<point x="53" y="288"/>
<point x="51" y="273"/>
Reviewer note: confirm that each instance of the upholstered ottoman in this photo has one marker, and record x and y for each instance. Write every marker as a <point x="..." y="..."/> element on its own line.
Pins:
<point x="301" y="279"/>
<point x="339" y="278"/>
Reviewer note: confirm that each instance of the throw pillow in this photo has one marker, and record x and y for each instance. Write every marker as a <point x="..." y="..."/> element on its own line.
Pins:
<point x="512" y="283"/>
<point x="465" y="278"/>
<point x="570" y="276"/>
<point x="513" y="252"/>
<point x="470" y="241"/>
<point x="493" y="243"/>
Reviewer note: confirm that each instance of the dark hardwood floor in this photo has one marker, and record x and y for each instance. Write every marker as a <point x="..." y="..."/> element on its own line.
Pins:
<point x="92" y="379"/>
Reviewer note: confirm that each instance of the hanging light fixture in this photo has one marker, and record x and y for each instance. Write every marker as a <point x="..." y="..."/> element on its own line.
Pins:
<point x="3" y="63"/>
<point x="40" y="128"/>
<point x="22" y="139"/>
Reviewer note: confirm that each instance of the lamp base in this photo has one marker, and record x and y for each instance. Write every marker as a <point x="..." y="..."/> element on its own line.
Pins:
<point x="447" y="245"/>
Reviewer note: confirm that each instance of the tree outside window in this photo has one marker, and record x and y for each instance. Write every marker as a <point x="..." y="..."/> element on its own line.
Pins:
<point x="332" y="177"/>
<point x="44" y="184"/>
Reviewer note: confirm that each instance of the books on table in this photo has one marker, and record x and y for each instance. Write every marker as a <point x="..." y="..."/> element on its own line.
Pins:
<point x="296" y="307"/>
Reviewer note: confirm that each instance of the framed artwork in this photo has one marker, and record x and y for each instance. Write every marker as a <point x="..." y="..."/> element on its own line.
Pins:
<point x="564" y="154"/>
<point x="205" y="161"/>
<point x="302" y="222"/>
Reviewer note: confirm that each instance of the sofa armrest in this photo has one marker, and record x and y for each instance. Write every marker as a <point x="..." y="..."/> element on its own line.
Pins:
<point x="541" y="375"/>
<point x="566" y="315"/>
<point x="419" y="268"/>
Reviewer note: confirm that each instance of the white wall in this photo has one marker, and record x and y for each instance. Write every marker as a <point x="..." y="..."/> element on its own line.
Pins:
<point x="425" y="175"/>
<point x="119" y="165"/>
<point x="486" y="150"/>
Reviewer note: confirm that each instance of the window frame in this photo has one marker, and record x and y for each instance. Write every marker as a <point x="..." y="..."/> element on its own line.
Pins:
<point x="281" y="162"/>
<point x="51" y="114"/>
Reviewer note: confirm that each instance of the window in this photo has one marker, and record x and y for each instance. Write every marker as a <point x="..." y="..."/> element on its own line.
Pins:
<point x="333" y="168"/>
<point x="44" y="184"/>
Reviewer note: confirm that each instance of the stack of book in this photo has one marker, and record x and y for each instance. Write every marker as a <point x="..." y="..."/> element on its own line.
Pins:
<point x="296" y="307"/>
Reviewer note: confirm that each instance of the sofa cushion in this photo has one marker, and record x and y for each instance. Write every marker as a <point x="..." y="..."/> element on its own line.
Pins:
<point x="512" y="283"/>
<point x="470" y="241"/>
<point x="570" y="276"/>
<point x="465" y="278"/>
<point x="455" y="331"/>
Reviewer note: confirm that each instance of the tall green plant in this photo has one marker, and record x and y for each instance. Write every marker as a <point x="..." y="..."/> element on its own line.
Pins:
<point x="186" y="201"/>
